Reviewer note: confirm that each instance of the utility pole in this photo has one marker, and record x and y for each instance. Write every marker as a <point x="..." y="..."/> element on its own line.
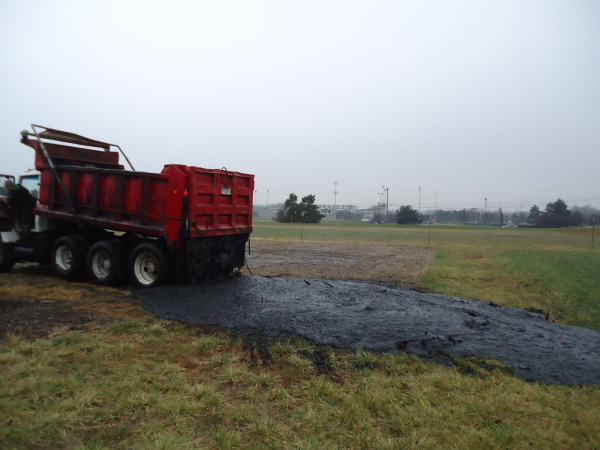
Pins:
<point x="335" y="193"/>
<point x="430" y="230"/>
<point x="435" y="215"/>
<point x="387" y="208"/>
<point x="485" y="215"/>
<point x="521" y="215"/>
<point x="387" y="204"/>
<point x="419" y="199"/>
<point x="267" y="198"/>
<point x="593" y="229"/>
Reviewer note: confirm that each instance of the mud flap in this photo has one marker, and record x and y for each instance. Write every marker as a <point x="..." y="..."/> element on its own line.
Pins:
<point x="215" y="255"/>
<point x="180" y="273"/>
<point x="198" y="258"/>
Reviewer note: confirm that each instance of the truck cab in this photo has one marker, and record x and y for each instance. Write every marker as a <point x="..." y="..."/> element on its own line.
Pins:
<point x="9" y="226"/>
<point x="10" y="231"/>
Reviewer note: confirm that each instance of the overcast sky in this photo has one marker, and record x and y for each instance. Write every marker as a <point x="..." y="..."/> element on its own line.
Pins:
<point x="472" y="99"/>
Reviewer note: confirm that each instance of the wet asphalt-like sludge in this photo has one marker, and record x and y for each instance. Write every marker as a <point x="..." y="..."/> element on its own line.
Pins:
<point x="359" y="315"/>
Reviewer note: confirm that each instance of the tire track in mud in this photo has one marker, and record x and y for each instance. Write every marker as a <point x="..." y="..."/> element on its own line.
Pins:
<point x="360" y="315"/>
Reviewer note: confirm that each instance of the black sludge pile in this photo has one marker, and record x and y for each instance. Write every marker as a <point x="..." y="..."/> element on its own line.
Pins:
<point x="358" y="315"/>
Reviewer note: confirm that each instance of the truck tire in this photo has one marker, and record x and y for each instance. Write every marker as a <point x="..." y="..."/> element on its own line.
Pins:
<point x="105" y="263"/>
<point x="147" y="266"/>
<point x="6" y="261"/>
<point x="68" y="257"/>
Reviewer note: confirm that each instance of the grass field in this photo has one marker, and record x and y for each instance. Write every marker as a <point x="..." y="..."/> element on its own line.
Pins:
<point x="129" y="380"/>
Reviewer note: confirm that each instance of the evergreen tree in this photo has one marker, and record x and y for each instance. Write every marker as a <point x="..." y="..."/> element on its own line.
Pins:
<point x="309" y="211"/>
<point x="294" y="212"/>
<point x="286" y="213"/>
<point x="534" y="213"/>
<point x="559" y="207"/>
<point x="557" y="215"/>
<point x="407" y="215"/>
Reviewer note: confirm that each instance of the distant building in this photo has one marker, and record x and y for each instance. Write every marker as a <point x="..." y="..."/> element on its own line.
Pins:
<point x="269" y="212"/>
<point x="332" y="208"/>
<point x="329" y="210"/>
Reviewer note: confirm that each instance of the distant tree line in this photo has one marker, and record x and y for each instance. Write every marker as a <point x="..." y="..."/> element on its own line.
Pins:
<point x="304" y="212"/>
<point x="377" y="216"/>
<point x="556" y="215"/>
<point x="349" y="216"/>
<point x="473" y="216"/>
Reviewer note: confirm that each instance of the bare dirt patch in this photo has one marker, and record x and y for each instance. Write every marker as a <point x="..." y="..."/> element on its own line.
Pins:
<point x="387" y="263"/>
<point x="31" y="318"/>
<point x="34" y="303"/>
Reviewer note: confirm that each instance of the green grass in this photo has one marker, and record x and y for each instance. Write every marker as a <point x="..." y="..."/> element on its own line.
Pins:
<point x="145" y="383"/>
<point x="566" y="283"/>
<point x="181" y="389"/>
<point x="545" y="269"/>
<point x="484" y="237"/>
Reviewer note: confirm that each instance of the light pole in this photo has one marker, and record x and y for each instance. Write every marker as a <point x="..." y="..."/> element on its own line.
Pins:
<point x="267" y="198"/>
<point x="335" y="193"/>
<point x="387" y="204"/>
<point x="387" y="199"/>
<point x="593" y="229"/>
<point x="485" y="215"/>
<point x="435" y="215"/>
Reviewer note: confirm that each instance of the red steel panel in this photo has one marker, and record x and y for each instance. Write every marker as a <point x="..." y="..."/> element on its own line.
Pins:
<point x="108" y="187"/>
<point x="220" y="202"/>
<point x="177" y="194"/>
<point x="62" y="154"/>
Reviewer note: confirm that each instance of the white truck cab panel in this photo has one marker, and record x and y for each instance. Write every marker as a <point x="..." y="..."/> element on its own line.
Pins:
<point x="30" y="179"/>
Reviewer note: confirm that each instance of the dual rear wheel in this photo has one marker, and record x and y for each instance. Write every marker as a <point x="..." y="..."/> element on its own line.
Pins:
<point x="105" y="263"/>
<point x="147" y="266"/>
<point x="108" y="263"/>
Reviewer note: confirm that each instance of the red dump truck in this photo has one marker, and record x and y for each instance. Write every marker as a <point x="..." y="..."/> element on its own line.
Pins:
<point x="92" y="215"/>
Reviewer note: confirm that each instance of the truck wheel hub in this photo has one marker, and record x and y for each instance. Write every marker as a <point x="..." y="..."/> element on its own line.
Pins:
<point x="145" y="268"/>
<point x="64" y="257"/>
<point x="101" y="265"/>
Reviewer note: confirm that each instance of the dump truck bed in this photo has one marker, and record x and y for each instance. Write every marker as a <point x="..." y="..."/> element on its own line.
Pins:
<point x="205" y="202"/>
